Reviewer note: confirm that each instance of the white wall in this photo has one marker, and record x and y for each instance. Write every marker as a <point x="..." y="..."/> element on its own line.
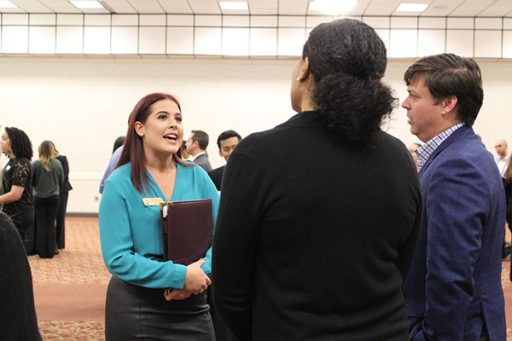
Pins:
<point x="82" y="104"/>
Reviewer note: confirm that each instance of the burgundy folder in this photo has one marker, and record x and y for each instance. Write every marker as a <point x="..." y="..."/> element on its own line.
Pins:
<point x="186" y="230"/>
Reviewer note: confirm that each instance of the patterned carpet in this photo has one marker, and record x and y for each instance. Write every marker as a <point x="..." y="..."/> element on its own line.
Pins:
<point x="70" y="288"/>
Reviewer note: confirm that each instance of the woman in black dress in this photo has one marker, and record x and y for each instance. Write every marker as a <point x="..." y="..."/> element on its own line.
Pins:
<point x="16" y="193"/>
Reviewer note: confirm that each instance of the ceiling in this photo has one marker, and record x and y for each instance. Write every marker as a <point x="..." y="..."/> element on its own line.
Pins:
<point x="437" y="8"/>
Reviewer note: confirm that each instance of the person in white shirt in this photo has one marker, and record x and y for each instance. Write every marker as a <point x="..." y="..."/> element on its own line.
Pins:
<point x="502" y="158"/>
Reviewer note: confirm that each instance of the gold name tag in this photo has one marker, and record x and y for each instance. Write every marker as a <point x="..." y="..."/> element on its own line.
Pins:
<point x="152" y="201"/>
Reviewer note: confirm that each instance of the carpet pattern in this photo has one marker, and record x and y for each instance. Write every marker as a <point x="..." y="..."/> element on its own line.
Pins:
<point x="70" y="288"/>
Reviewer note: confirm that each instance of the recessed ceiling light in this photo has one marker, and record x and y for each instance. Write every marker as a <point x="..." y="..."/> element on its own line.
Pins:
<point x="86" y="4"/>
<point x="408" y="7"/>
<point x="7" y="4"/>
<point x="331" y="7"/>
<point x="233" y="5"/>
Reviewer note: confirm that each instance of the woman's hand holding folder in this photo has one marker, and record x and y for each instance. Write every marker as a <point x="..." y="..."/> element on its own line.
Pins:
<point x="196" y="283"/>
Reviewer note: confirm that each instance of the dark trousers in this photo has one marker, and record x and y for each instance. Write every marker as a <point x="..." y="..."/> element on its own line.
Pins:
<point x="46" y="213"/>
<point x="23" y="219"/>
<point x="61" y="220"/>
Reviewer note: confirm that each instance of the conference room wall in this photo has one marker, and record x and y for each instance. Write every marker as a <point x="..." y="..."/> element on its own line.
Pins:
<point x="82" y="104"/>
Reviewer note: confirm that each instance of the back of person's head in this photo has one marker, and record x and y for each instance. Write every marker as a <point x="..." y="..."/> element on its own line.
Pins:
<point x="451" y="75"/>
<point x="20" y="143"/>
<point x="54" y="149"/>
<point x="201" y="137"/>
<point x="348" y="59"/>
<point x="118" y="142"/>
<point x="133" y="150"/>
<point x="46" y="154"/>
<point x="226" y="135"/>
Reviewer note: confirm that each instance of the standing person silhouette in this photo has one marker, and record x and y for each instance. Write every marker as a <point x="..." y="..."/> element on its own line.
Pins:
<point x="131" y="238"/>
<point x="16" y="195"/>
<point x="319" y="216"/>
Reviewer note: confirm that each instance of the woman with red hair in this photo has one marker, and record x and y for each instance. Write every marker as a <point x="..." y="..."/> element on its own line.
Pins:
<point x="151" y="167"/>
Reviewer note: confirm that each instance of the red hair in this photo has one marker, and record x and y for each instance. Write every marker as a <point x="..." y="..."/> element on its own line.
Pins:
<point x="133" y="150"/>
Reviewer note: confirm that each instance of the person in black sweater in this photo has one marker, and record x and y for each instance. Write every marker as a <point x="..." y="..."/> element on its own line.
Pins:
<point x="319" y="216"/>
<point x="19" y="320"/>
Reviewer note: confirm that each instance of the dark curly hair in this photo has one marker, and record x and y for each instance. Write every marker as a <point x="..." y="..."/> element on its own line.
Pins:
<point x="348" y="59"/>
<point x="20" y="143"/>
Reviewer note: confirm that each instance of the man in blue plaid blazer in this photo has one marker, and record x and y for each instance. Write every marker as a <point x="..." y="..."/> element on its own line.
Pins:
<point x="453" y="289"/>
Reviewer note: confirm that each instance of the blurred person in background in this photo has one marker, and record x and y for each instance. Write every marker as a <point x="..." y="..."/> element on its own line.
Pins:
<point x="16" y="192"/>
<point x="63" y="198"/>
<point x="48" y="178"/>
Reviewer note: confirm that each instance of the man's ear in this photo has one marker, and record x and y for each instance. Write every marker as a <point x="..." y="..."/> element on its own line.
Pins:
<point x="139" y="129"/>
<point x="449" y="104"/>
<point x="304" y="70"/>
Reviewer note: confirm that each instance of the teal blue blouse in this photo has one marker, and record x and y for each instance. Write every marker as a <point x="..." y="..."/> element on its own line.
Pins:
<point x="130" y="232"/>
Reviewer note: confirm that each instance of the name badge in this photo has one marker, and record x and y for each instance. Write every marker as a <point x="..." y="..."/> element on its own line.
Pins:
<point x="152" y="201"/>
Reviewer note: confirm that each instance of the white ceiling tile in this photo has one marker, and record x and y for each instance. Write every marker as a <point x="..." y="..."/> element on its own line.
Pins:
<point x="176" y="6"/>
<point x="262" y="7"/>
<point x="441" y="8"/>
<point x="381" y="7"/>
<point x="120" y="6"/>
<point x="147" y="6"/>
<point x="471" y="8"/>
<point x="32" y="6"/>
<point x="204" y="6"/>
<point x="60" y="6"/>
<point x="499" y="8"/>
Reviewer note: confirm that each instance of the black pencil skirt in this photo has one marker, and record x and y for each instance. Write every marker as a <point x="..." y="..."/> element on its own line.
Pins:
<point x="137" y="313"/>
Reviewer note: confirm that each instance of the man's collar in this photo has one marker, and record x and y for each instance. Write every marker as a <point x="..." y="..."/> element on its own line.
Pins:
<point x="197" y="155"/>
